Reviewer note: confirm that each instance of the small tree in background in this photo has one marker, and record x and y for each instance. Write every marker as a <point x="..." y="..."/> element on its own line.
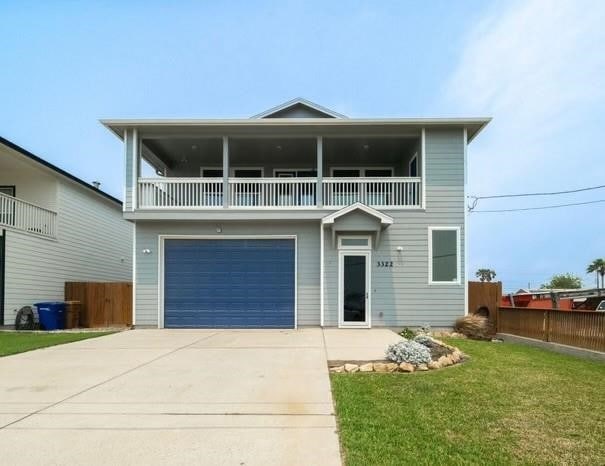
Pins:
<point x="563" y="280"/>
<point x="598" y="266"/>
<point x="485" y="275"/>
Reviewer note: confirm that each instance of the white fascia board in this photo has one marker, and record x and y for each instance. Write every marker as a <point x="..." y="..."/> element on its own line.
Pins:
<point x="117" y="126"/>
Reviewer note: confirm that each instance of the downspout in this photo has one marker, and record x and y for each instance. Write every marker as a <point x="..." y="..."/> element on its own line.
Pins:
<point x="321" y="273"/>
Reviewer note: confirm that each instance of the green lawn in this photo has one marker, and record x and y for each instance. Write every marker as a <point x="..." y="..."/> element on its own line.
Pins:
<point x="18" y="342"/>
<point x="510" y="404"/>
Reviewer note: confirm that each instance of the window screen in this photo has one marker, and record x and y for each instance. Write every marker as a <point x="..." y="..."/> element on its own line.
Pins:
<point x="444" y="255"/>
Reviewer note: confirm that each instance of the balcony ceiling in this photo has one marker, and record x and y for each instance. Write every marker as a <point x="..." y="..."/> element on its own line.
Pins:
<point x="299" y="152"/>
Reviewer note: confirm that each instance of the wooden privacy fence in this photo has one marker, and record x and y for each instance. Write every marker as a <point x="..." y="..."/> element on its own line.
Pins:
<point x="484" y="299"/>
<point x="102" y="304"/>
<point x="584" y="329"/>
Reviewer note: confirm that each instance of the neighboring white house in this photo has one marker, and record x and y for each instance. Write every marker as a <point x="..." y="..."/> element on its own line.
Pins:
<point x="54" y="228"/>
<point x="297" y="216"/>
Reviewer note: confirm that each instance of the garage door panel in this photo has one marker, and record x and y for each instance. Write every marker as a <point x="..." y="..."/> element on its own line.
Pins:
<point x="229" y="283"/>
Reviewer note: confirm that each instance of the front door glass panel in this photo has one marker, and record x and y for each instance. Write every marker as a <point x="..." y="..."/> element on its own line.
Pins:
<point x="354" y="288"/>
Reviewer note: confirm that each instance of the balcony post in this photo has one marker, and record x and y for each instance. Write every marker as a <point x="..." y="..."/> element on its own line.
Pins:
<point x="320" y="166"/>
<point x="225" y="171"/>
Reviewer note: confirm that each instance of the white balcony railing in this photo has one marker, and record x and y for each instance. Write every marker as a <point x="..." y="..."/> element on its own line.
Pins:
<point x="25" y="216"/>
<point x="375" y="192"/>
<point x="273" y="192"/>
<point x="189" y="193"/>
<point x="277" y="193"/>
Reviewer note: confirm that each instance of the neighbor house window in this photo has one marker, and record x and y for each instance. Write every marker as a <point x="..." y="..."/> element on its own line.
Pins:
<point x="444" y="255"/>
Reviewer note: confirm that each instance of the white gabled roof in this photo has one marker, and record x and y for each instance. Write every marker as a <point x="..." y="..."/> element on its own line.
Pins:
<point x="300" y="102"/>
<point x="384" y="219"/>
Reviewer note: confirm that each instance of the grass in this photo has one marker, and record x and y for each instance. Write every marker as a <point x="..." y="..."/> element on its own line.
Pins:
<point x="19" y="342"/>
<point x="510" y="404"/>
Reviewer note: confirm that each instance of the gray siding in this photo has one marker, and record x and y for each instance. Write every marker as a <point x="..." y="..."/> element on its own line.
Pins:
<point x="129" y="182"/>
<point x="307" y="233"/>
<point x="402" y="293"/>
<point x="94" y="243"/>
<point x="401" y="296"/>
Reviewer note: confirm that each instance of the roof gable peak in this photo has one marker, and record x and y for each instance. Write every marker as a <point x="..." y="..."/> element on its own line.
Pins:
<point x="298" y="108"/>
<point x="358" y="206"/>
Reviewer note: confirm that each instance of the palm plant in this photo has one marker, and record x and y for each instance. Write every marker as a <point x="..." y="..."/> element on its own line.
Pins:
<point x="485" y="275"/>
<point x="598" y="266"/>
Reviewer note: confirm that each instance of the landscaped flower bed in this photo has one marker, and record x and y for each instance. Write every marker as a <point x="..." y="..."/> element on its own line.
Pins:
<point x="422" y="353"/>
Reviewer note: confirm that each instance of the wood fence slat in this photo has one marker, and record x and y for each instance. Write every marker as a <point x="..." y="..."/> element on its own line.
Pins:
<point x="102" y="304"/>
<point x="583" y="329"/>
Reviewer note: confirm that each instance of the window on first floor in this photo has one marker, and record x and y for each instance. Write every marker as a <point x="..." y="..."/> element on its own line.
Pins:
<point x="444" y="255"/>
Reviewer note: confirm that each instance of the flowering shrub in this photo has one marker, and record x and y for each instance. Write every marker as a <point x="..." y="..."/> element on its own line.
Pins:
<point x="408" y="351"/>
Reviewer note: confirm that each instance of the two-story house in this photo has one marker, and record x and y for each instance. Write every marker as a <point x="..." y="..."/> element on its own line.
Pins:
<point x="297" y="216"/>
<point x="54" y="228"/>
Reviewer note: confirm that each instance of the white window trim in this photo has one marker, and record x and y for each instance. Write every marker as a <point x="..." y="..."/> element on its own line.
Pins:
<point x="368" y="255"/>
<point x="368" y="247"/>
<point x="161" y="243"/>
<point x="391" y="169"/>
<point x="414" y="157"/>
<point x="209" y="168"/>
<point x="362" y="170"/>
<point x="232" y="170"/>
<point x="275" y="170"/>
<point x="430" y="255"/>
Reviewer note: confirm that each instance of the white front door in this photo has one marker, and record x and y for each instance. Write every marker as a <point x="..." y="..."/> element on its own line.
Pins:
<point x="354" y="288"/>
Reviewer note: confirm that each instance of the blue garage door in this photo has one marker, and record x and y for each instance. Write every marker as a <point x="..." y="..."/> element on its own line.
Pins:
<point x="229" y="283"/>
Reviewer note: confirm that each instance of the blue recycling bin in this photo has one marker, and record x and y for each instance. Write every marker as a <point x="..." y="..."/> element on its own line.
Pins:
<point x="51" y="315"/>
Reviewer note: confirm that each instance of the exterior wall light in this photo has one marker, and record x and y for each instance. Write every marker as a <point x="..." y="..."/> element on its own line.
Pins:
<point x="146" y="251"/>
<point x="400" y="249"/>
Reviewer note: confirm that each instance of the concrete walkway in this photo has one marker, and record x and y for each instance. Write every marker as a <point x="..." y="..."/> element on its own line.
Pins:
<point x="178" y="397"/>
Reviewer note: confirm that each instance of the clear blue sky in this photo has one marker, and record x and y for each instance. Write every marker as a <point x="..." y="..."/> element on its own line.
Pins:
<point x="536" y="67"/>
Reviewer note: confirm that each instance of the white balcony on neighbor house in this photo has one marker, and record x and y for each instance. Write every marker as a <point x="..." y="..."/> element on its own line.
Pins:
<point x="278" y="193"/>
<point x="24" y="216"/>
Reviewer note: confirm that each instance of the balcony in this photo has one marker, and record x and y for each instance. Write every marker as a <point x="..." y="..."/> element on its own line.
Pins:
<point x="27" y="217"/>
<point x="278" y="193"/>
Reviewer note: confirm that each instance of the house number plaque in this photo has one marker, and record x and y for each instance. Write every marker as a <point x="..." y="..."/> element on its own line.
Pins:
<point x="382" y="264"/>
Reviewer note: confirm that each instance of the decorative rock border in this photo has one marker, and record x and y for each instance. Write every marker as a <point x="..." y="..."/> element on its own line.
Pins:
<point x="384" y="366"/>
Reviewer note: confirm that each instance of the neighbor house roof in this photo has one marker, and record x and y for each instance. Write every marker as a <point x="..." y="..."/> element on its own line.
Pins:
<point x="328" y="119"/>
<point x="56" y="169"/>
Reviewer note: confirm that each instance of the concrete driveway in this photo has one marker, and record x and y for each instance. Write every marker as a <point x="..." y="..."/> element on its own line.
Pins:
<point x="177" y="397"/>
